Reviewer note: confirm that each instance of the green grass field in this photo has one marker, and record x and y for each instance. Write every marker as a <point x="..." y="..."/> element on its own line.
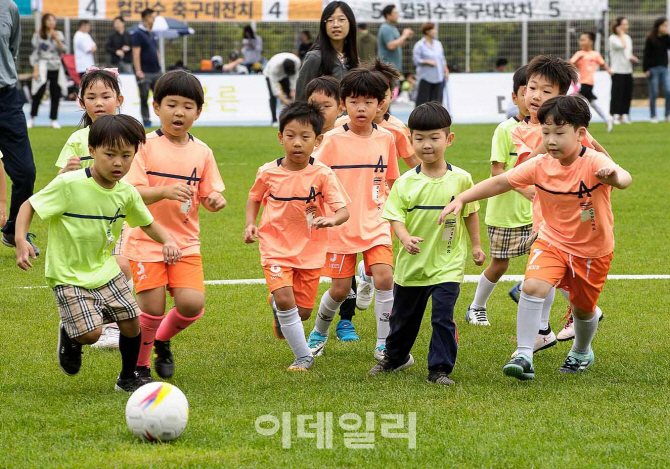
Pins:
<point x="232" y="369"/>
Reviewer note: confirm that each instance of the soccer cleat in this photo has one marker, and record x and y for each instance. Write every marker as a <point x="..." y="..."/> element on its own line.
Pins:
<point x="302" y="364"/>
<point x="577" y="362"/>
<point x="9" y="241"/>
<point x="316" y="343"/>
<point x="515" y="292"/>
<point x="568" y="331"/>
<point x="276" y="327"/>
<point x="131" y="384"/>
<point x="385" y="366"/>
<point x="163" y="359"/>
<point x="69" y="353"/>
<point x="439" y="377"/>
<point x="477" y="316"/>
<point x="109" y="337"/>
<point x="379" y="352"/>
<point x="543" y="340"/>
<point x="345" y="331"/>
<point x="520" y="367"/>
<point x="365" y="291"/>
<point x="144" y="373"/>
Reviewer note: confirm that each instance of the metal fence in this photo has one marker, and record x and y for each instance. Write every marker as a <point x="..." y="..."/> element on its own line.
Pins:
<point x="469" y="47"/>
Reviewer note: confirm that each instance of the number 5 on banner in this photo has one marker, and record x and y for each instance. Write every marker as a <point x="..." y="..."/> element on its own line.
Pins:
<point x="275" y="10"/>
<point x="92" y="9"/>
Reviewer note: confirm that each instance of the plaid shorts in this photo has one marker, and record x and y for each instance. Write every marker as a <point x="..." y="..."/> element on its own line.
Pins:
<point x="117" y="247"/>
<point x="511" y="242"/>
<point x="83" y="310"/>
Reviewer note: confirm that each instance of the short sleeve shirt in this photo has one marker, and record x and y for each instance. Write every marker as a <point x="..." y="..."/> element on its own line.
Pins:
<point x="417" y="200"/>
<point x="401" y="134"/>
<point x="588" y="64"/>
<point x="364" y="165"/>
<point x="148" y="45"/>
<point x="386" y="34"/>
<point x="85" y="220"/>
<point x="76" y="145"/>
<point x="576" y="205"/>
<point x="160" y="162"/>
<point x="292" y="200"/>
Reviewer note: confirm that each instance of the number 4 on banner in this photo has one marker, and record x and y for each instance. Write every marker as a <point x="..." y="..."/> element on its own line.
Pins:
<point x="275" y="10"/>
<point x="93" y="9"/>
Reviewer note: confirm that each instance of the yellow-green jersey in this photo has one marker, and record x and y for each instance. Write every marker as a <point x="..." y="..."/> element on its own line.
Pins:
<point x="76" y="145"/>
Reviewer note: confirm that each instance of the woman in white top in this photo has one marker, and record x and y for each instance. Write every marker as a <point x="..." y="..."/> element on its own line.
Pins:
<point x="621" y="63"/>
<point x="252" y="47"/>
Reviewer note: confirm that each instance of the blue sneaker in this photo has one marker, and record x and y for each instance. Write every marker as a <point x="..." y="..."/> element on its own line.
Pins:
<point x="520" y="367"/>
<point x="515" y="292"/>
<point x="9" y="241"/>
<point x="380" y="352"/>
<point x="345" y="331"/>
<point x="316" y="343"/>
<point x="577" y="362"/>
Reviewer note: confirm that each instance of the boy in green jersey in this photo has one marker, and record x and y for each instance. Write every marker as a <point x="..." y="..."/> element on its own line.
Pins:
<point x="432" y="261"/>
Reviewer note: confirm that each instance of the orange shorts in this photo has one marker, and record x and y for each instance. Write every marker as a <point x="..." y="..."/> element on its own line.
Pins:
<point x="305" y="282"/>
<point x="584" y="278"/>
<point x="344" y="265"/>
<point x="187" y="273"/>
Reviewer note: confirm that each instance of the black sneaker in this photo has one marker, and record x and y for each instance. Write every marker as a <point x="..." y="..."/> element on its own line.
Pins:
<point x="386" y="366"/>
<point x="10" y="241"/>
<point x="144" y="373"/>
<point x="131" y="384"/>
<point x="440" y="377"/>
<point x="520" y="367"/>
<point x="163" y="359"/>
<point x="69" y="353"/>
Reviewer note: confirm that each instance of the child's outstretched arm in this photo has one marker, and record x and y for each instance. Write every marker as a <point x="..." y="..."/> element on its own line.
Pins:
<point x="408" y="241"/>
<point x="214" y="202"/>
<point x="180" y="191"/>
<point x="615" y="176"/>
<point x="171" y="253"/>
<point x="472" y="225"/>
<point x="251" y="230"/>
<point x="483" y="190"/>
<point x="24" y="250"/>
<point x="337" y="219"/>
<point x="599" y="147"/>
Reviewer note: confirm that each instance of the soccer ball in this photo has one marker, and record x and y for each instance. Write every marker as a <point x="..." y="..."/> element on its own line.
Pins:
<point x="157" y="412"/>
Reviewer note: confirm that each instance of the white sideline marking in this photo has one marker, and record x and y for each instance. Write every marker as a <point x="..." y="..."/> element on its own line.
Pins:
<point x="468" y="279"/>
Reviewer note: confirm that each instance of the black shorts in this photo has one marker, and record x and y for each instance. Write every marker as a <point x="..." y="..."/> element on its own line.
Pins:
<point x="587" y="92"/>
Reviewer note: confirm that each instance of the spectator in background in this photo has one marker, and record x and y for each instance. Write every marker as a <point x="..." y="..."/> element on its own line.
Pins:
<point x="84" y="48"/>
<point x="335" y="50"/>
<point x="281" y="73"/>
<point x="252" y="47"/>
<point x="305" y="44"/>
<point x="501" y="65"/>
<point x="48" y="44"/>
<point x="118" y="47"/>
<point x="145" y="60"/>
<point x="389" y="39"/>
<point x="431" y="66"/>
<point x="621" y="64"/>
<point x="655" y="65"/>
<point x="235" y="65"/>
<point x="366" y="43"/>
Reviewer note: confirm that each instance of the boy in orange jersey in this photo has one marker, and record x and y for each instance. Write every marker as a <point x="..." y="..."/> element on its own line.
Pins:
<point x="575" y="242"/>
<point x="295" y="191"/>
<point x="174" y="173"/>
<point x="363" y="156"/>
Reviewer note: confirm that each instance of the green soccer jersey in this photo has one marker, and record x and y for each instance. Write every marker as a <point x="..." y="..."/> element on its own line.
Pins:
<point x="76" y="145"/>
<point x="85" y="220"/>
<point x="417" y="200"/>
<point x="511" y="209"/>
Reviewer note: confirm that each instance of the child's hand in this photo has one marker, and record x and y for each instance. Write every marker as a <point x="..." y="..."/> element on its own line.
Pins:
<point x="478" y="255"/>
<point x="171" y="253"/>
<point x="180" y="191"/>
<point x="250" y="234"/>
<point x="215" y="202"/>
<point x="607" y="175"/>
<point x="24" y="252"/>
<point x="455" y="207"/>
<point x="411" y="245"/>
<point x="72" y="164"/>
<point x="324" y="222"/>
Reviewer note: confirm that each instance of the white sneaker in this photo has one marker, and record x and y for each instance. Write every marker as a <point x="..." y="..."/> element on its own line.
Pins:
<point x="477" y="316"/>
<point x="542" y="341"/>
<point x="365" y="292"/>
<point x="109" y="337"/>
<point x="610" y="124"/>
<point x="30" y="123"/>
<point x="626" y="119"/>
<point x="653" y="120"/>
<point x="379" y="353"/>
<point x="617" y="119"/>
<point x="55" y="125"/>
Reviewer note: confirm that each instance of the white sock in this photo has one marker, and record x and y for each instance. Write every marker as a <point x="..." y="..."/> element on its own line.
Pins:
<point x="291" y="327"/>
<point x="584" y="332"/>
<point x="599" y="110"/>
<point x="483" y="293"/>
<point x="327" y="310"/>
<point x="546" y="309"/>
<point x="383" y="307"/>
<point x="528" y="323"/>
<point x="565" y="293"/>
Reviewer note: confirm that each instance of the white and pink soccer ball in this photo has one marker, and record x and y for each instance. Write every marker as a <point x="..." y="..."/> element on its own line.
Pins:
<point x="157" y="412"/>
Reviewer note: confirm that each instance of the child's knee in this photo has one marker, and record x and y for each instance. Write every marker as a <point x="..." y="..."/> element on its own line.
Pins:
<point x="90" y="337"/>
<point x="581" y="314"/>
<point x="536" y="287"/>
<point x="497" y="268"/>
<point x="129" y="327"/>
<point x="304" y="313"/>
<point x="339" y="290"/>
<point x="189" y="302"/>
<point x="284" y="299"/>
<point x="383" y="277"/>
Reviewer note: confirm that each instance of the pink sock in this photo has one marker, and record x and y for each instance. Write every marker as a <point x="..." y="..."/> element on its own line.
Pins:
<point x="148" y="325"/>
<point x="175" y="323"/>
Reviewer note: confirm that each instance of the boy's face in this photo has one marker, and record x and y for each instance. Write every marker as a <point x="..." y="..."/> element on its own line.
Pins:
<point x="329" y="107"/>
<point x="299" y="140"/>
<point x="384" y="105"/>
<point x="112" y="163"/>
<point x="561" y="141"/>
<point x="538" y="91"/>
<point x="362" y="110"/>
<point x="177" y="114"/>
<point x="520" y="100"/>
<point x="585" y="42"/>
<point x="429" y="145"/>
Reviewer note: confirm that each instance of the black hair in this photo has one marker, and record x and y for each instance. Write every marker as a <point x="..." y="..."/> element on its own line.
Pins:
<point x="617" y="22"/>
<point x="566" y="110"/>
<point x="328" y="53"/>
<point x="305" y="113"/>
<point x="653" y="34"/>
<point x="179" y="83"/>
<point x="501" y="61"/>
<point x="83" y="23"/>
<point x="112" y="131"/>
<point x="248" y="32"/>
<point x="558" y="71"/>
<point x="120" y="18"/>
<point x="147" y="12"/>
<point x="90" y="78"/>
<point x="362" y="26"/>
<point x="326" y="84"/>
<point x="429" y="116"/>
<point x="590" y="34"/>
<point x="390" y="73"/>
<point x="363" y="82"/>
<point x="43" y="24"/>
<point x="289" y="67"/>
<point x="519" y="79"/>
<point x="388" y="9"/>
<point x="307" y="34"/>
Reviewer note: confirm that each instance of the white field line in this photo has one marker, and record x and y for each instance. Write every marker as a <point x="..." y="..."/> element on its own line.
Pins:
<point x="467" y="279"/>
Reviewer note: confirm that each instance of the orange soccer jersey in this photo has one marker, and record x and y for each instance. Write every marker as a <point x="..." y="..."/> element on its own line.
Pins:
<point x="587" y="63"/>
<point x="401" y="134"/>
<point x="365" y="165"/>
<point x="293" y="199"/>
<point x="160" y="162"/>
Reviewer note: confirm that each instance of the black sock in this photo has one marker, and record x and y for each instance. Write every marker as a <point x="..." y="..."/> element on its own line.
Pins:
<point x="348" y="308"/>
<point x="130" y="351"/>
<point x="545" y="331"/>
